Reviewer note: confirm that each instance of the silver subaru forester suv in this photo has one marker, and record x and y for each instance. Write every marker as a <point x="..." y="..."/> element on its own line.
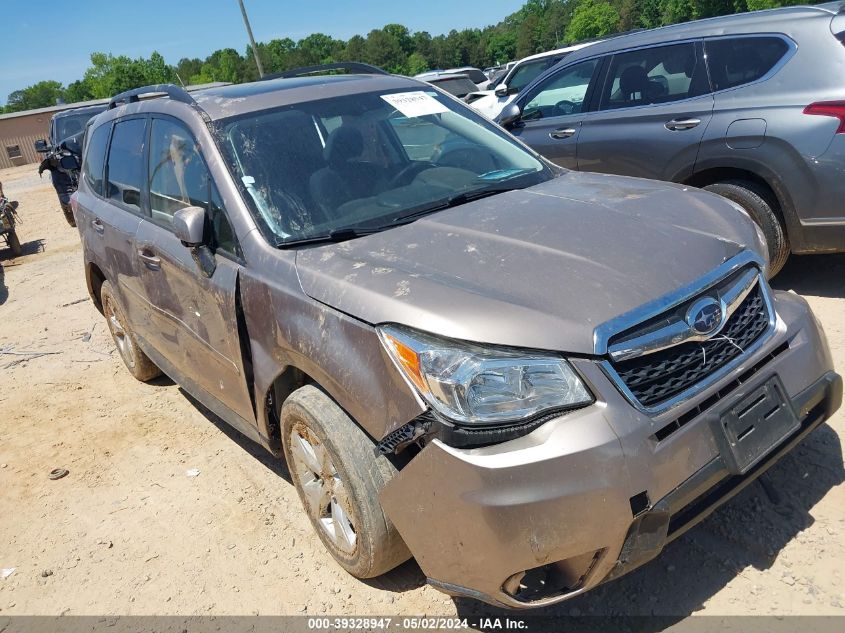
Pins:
<point x="530" y="379"/>
<point x="750" y="106"/>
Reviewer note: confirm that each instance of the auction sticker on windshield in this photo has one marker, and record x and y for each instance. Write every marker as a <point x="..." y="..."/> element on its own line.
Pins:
<point x="413" y="104"/>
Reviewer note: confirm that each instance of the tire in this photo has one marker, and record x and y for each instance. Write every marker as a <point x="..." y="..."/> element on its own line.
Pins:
<point x="351" y="480"/>
<point x="14" y="243"/>
<point x="136" y="361"/>
<point x="761" y="206"/>
<point x="68" y="211"/>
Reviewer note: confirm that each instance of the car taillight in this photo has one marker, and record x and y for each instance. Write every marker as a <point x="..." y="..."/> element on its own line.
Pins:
<point x="836" y="109"/>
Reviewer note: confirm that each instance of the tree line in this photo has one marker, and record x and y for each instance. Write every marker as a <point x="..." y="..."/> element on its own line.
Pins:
<point x="538" y="26"/>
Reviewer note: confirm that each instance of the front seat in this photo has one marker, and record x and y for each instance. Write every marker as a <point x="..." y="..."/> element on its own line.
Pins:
<point x="346" y="177"/>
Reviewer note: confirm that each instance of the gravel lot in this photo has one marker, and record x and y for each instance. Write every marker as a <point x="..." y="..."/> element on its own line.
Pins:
<point x="128" y="532"/>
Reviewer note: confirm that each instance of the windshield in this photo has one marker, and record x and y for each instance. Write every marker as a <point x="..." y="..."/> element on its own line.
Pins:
<point x="67" y="126"/>
<point x="368" y="161"/>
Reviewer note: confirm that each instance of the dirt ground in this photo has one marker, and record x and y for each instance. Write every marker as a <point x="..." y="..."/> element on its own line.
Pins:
<point x="129" y="532"/>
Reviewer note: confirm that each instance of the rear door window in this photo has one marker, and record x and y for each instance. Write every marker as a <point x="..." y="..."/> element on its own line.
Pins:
<point x="661" y="74"/>
<point x="741" y="60"/>
<point x="125" y="171"/>
<point x="95" y="158"/>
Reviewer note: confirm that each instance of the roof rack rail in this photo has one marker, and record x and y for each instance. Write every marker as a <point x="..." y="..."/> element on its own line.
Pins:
<point x="354" y="67"/>
<point x="174" y="92"/>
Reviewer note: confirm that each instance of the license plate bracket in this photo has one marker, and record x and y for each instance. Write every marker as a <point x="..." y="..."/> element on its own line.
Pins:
<point x="754" y="425"/>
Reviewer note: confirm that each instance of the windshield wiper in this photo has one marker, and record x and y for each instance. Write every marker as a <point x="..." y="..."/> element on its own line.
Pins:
<point x="452" y="201"/>
<point x="339" y="235"/>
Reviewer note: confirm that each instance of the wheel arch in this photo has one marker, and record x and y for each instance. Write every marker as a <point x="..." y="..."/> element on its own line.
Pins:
<point x="94" y="278"/>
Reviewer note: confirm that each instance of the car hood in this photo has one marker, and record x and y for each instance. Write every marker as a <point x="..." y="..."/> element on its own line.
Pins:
<point x="537" y="268"/>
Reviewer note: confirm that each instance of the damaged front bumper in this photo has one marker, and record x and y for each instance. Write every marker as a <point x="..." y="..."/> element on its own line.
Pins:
<point x="597" y="492"/>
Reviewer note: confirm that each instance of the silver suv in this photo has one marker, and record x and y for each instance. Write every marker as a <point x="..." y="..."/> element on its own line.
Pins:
<point x="528" y="378"/>
<point x="749" y="106"/>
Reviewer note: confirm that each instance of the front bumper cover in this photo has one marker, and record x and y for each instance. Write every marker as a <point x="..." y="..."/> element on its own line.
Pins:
<point x="576" y="495"/>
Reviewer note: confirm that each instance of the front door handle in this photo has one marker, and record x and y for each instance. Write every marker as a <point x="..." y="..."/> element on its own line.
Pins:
<point x="676" y="125"/>
<point x="561" y="133"/>
<point x="98" y="226"/>
<point x="150" y="261"/>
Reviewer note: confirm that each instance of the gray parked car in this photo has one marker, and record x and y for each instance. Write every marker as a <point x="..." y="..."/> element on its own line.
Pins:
<point x="747" y="106"/>
<point x="528" y="378"/>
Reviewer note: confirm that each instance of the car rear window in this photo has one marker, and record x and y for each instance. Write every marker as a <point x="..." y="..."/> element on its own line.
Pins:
<point x="126" y="163"/>
<point x="737" y="61"/>
<point x="458" y="86"/>
<point x="95" y="158"/>
<point x="661" y="74"/>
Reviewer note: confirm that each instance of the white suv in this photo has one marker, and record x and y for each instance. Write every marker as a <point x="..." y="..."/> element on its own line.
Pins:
<point x="490" y="102"/>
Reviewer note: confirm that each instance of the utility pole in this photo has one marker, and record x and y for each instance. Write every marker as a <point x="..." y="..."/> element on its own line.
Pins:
<point x="251" y="39"/>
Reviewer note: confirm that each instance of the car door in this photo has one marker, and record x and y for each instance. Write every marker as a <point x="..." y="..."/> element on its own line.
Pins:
<point x="108" y="209"/>
<point x="194" y="317"/>
<point x="654" y="106"/>
<point x="552" y="112"/>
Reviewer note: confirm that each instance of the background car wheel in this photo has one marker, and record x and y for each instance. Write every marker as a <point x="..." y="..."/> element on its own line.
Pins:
<point x="338" y="475"/>
<point x="14" y="243"/>
<point x="761" y="206"/>
<point x="68" y="214"/>
<point x="138" y="363"/>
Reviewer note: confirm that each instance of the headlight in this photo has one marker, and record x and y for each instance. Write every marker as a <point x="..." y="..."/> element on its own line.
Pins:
<point x="477" y="385"/>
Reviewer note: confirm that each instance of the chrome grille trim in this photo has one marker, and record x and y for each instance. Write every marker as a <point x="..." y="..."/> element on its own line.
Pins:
<point x="673" y="300"/>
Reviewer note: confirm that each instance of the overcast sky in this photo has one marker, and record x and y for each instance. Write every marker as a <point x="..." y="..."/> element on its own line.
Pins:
<point x="53" y="39"/>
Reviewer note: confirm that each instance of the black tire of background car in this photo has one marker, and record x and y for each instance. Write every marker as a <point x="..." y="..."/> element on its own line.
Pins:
<point x="143" y="369"/>
<point x="66" y="209"/>
<point x="761" y="206"/>
<point x="380" y="548"/>
<point x="14" y="243"/>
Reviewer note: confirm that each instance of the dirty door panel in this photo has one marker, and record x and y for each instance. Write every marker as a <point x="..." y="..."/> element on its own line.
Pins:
<point x="193" y="317"/>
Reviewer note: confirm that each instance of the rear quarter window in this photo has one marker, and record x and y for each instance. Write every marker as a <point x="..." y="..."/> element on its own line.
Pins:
<point x="95" y="158"/>
<point x="741" y="60"/>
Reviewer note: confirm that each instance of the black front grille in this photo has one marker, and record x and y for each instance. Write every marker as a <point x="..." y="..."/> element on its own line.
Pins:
<point x="657" y="377"/>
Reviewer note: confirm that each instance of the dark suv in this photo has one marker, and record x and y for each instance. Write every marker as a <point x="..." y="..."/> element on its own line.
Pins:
<point x="531" y="379"/>
<point x="748" y="106"/>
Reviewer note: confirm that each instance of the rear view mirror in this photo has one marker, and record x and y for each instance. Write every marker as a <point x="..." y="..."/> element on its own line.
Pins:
<point x="189" y="226"/>
<point x="501" y="90"/>
<point x="41" y="146"/>
<point x="510" y="114"/>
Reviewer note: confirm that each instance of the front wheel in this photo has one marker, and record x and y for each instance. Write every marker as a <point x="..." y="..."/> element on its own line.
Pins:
<point x="338" y="476"/>
<point x="760" y="205"/>
<point x="14" y="243"/>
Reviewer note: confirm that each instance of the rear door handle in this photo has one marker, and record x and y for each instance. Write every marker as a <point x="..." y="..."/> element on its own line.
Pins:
<point x="150" y="260"/>
<point x="98" y="226"/>
<point x="561" y="133"/>
<point x="676" y="125"/>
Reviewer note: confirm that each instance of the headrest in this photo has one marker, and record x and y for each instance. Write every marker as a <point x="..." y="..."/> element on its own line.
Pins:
<point x="343" y="144"/>
<point x="633" y="79"/>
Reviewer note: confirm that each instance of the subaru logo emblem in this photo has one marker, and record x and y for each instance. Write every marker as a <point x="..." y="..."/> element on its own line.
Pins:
<point x="705" y="316"/>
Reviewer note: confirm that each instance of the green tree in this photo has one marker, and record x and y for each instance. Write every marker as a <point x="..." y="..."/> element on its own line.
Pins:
<point x="592" y="18"/>
<point x="416" y="64"/>
<point x="40" y="95"/>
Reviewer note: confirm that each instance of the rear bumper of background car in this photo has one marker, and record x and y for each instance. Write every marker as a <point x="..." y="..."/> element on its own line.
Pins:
<point x="593" y="494"/>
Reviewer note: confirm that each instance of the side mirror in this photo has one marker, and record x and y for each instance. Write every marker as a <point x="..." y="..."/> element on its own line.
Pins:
<point x="189" y="226"/>
<point x="69" y="163"/>
<point x="41" y="146"/>
<point x="509" y="115"/>
<point x="501" y="90"/>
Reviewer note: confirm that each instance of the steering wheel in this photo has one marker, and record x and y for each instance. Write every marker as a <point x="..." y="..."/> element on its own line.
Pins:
<point x="566" y="106"/>
<point x="409" y="172"/>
